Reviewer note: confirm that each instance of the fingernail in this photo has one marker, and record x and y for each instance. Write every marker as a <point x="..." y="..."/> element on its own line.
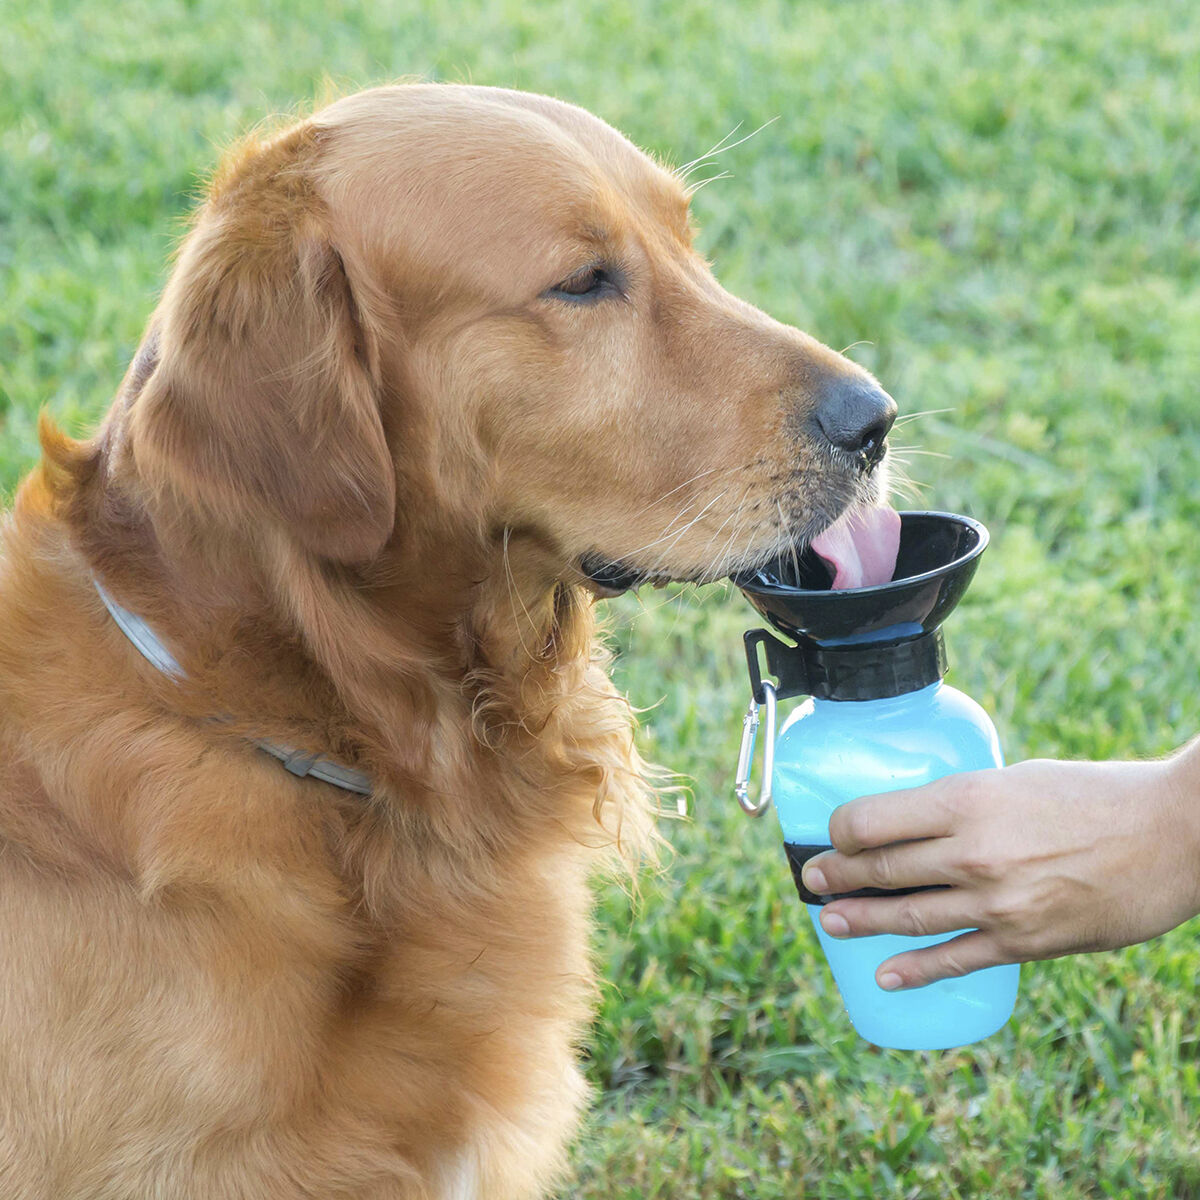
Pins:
<point x="814" y="880"/>
<point x="835" y="924"/>
<point x="890" y="982"/>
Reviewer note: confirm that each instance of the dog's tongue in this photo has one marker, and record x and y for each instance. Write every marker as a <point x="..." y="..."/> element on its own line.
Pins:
<point x="860" y="547"/>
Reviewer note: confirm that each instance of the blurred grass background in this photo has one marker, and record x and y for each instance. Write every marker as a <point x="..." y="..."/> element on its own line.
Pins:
<point x="997" y="205"/>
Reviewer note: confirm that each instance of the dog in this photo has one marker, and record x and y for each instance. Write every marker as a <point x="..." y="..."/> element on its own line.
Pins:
<point x="434" y="368"/>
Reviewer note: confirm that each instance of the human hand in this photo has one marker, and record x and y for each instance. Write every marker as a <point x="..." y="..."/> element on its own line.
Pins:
<point x="1040" y="859"/>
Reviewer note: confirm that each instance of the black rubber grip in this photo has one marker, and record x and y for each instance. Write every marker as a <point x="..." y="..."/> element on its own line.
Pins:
<point x="797" y="856"/>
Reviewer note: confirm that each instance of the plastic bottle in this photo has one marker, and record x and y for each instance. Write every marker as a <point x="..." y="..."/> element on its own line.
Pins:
<point x="879" y="719"/>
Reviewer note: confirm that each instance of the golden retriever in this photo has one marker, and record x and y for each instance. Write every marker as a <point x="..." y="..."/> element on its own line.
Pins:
<point x="434" y="367"/>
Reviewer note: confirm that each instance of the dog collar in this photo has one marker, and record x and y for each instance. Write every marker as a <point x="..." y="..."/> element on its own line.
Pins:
<point x="299" y="762"/>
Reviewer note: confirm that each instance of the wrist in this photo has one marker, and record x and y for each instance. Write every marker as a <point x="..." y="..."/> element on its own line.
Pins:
<point x="1182" y="774"/>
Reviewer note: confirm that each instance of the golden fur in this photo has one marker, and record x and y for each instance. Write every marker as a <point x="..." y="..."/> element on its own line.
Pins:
<point x="349" y="478"/>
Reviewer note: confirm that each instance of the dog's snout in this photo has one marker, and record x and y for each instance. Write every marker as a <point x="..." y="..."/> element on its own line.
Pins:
<point x="855" y="416"/>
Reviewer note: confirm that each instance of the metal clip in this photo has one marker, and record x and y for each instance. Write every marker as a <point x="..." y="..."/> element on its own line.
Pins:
<point x="741" y="788"/>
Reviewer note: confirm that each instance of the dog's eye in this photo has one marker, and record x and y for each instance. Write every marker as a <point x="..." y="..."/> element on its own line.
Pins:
<point x="587" y="285"/>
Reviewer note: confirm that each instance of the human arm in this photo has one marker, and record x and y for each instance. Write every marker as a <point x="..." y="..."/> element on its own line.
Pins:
<point x="1040" y="859"/>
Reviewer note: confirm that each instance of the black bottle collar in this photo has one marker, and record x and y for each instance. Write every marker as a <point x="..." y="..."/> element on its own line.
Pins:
<point x="860" y="671"/>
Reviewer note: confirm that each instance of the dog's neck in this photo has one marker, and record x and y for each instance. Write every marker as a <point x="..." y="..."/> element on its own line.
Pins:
<point x="484" y="735"/>
<point x="391" y="659"/>
<point x="300" y="762"/>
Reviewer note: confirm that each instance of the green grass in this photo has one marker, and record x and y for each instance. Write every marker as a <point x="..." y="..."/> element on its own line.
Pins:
<point x="999" y="203"/>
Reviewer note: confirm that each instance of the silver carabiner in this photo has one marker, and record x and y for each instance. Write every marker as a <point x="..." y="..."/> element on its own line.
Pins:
<point x="741" y="787"/>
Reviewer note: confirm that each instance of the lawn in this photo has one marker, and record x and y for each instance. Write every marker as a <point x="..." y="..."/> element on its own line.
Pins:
<point x="996" y="206"/>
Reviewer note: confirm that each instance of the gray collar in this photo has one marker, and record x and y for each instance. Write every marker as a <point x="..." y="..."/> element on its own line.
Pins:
<point x="299" y="762"/>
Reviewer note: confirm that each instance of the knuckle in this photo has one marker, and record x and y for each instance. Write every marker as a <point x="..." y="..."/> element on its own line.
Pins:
<point x="1019" y="946"/>
<point x="967" y="793"/>
<point x="911" y="919"/>
<point x="952" y="794"/>
<point x="850" y="827"/>
<point x="1003" y="908"/>
<point x="976" y="862"/>
<point x="951" y="964"/>
<point x="856" y="831"/>
<point x="883" y="870"/>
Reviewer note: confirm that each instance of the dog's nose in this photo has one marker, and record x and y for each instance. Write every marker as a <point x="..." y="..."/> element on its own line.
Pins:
<point x="855" y="415"/>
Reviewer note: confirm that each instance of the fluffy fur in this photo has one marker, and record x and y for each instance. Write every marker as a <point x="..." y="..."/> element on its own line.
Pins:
<point x="350" y="478"/>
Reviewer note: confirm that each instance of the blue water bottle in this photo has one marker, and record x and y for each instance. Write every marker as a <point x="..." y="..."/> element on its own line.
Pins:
<point x="878" y="718"/>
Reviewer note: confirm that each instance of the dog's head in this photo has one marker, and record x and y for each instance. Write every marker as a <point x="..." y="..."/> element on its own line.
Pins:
<point x="433" y="315"/>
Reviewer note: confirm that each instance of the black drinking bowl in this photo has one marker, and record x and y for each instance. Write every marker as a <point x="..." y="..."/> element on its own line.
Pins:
<point x="936" y="562"/>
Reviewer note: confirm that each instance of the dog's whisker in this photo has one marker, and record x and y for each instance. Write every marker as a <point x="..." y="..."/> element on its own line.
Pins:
<point x="704" y="554"/>
<point x="743" y="559"/>
<point x="725" y="144"/>
<point x="722" y="148"/>
<point x="667" y="531"/>
<point x="903" y="484"/>
<point x="691" y="191"/>
<point x="928" y="412"/>
<point x="654" y="568"/>
<point x="675" y="540"/>
<point x="735" y="517"/>
<point x="785" y="532"/>
<point x="717" y="532"/>
<point x="678" y="487"/>
<point x="683" y="173"/>
<point x="909" y="489"/>
<point x="727" y="561"/>
<point x="623" y="555"/>
<point x="715" y="149"/>
<point x="515" y="595"/>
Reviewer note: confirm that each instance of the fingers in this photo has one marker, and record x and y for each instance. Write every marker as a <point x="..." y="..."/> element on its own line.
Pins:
<point x="917" y="915"/>
<point x="947" y="960"/>
<point x="909" y="864"/>
<point x="902" y="816"/>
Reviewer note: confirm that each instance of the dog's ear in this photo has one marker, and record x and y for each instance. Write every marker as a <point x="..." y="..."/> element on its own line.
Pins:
<point x="263" y="404"/>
